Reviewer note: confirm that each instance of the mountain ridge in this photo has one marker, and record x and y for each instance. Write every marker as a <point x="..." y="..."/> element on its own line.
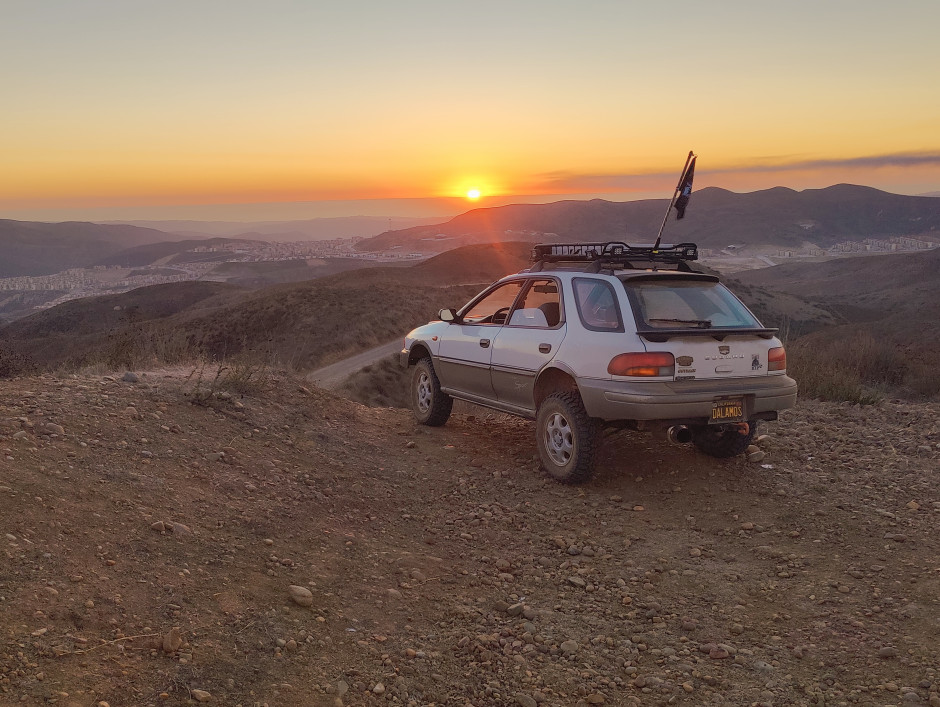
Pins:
<point x="717" y="217"/>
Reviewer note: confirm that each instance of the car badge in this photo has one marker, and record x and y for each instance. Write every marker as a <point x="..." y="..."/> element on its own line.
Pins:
<point x="684" y="360"/>
<point x="724" y="350"/>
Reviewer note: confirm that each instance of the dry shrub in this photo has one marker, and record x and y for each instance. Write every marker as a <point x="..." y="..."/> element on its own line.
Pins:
<point x="13" y="364"/>
<point x="242" y="376"/>
<point x="846" y="365"/>
<point x="383" y="384"/>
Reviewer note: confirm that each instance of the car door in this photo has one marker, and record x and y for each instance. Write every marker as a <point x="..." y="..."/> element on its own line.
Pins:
<point x="466" y="345"/>
<point x="528" y="341"/>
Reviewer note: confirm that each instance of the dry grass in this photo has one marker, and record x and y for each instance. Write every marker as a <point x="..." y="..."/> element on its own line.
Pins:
<point x="853" y="364"/>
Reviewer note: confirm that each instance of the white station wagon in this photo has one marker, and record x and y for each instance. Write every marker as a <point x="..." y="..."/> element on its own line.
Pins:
<point x="605" y="334"/>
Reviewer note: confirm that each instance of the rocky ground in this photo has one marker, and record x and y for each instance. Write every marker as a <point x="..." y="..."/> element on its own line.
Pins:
<point x="164" y="546"/>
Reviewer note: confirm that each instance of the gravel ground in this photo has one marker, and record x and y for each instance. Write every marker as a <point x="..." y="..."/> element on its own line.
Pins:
<point x="164" y="546"/>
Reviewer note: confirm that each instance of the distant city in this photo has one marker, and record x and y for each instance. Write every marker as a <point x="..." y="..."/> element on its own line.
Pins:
<point x="101" y="280"/>
<point x="76" y="283"/>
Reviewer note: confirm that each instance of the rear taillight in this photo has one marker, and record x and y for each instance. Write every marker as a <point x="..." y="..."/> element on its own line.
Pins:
<point x="777" y="359"/>
<point x="649" y="364"/>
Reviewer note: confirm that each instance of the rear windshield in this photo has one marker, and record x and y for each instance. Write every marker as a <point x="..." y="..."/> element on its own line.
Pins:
<point x="673" y="304"/>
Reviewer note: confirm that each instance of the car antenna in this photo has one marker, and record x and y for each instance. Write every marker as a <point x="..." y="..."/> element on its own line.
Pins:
<point x="680" y="197"/>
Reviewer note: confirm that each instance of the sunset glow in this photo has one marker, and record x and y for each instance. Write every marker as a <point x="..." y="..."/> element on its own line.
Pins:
<point x="304" y="102"/>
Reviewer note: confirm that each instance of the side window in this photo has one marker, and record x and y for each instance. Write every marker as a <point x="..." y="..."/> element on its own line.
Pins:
<point x="597" y="305"/>
<point x="494" y="307"/>
<point x="540" y="306"/>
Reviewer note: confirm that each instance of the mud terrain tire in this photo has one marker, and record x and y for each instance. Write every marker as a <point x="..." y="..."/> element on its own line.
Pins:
<point x="723" y="441"/>
<point x="566" y="438"/>
<point x="431" y="406"/>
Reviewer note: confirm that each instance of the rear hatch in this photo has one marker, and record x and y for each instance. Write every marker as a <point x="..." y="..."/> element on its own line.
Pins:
<point x="701" y="323"/>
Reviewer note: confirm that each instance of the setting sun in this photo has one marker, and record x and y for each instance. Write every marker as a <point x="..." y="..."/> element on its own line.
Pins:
<point x="473" y="194"/>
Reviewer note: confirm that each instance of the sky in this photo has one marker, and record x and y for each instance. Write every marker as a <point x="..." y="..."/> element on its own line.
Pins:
<point x="254" y="110"/>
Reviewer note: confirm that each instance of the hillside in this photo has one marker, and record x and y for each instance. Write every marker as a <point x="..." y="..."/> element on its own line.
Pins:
<point x="172" y="252"/>
<point x="150" y="544"/>
<point x="301" y="325"/>
<point x="33" y="248"/>
<point x="716" y="218"/>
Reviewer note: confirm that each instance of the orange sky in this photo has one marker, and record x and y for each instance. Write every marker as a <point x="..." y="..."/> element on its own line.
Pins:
<point x="113" y="105"/>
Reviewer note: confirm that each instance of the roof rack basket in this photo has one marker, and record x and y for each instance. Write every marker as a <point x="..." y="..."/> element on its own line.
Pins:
<point x="613" y="255"/>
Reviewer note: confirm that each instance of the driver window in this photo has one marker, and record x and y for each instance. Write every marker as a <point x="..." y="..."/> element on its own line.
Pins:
<point x="539" y="307"/>
<point x="495" y="306"/>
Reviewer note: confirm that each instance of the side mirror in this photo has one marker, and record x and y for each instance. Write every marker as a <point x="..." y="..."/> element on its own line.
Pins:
<point x="447" y="315"/>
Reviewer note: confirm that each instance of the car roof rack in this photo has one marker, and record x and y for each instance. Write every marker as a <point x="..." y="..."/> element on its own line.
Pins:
<point x="612" y="255"/>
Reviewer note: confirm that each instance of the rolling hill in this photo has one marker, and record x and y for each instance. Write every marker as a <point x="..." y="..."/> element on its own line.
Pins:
<point x="169" y="252"/>
<point x="34" y="248"/>
<point x="300" y="325"/>
<point x="716" y="218"/>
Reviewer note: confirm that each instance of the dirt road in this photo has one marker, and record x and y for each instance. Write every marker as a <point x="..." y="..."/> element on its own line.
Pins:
<point x="151" y="535"/>
<point x="332" y="376"/>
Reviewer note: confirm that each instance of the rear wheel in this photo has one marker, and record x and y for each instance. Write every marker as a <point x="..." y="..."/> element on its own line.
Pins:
<point x="566" y="438"/>
<point x="724" y="441"/>
<point x="431" y="406"/>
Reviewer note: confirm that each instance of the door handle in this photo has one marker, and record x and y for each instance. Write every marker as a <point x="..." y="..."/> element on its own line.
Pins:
<point x="485" y="343"/>
<point x="545" y="348"/>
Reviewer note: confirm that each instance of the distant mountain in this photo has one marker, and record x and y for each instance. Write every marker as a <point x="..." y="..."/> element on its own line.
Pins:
<point x="716" y="218"/>
<point x="33" y="248"/>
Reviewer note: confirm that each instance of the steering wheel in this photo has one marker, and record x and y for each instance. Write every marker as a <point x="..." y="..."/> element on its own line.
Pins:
<point x="500" y="315"/>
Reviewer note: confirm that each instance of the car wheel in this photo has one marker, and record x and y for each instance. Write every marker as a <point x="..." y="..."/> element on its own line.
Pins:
<point x="724" y="441"/>
<point x="431" y="406"/>
<point x="566" y="438"/>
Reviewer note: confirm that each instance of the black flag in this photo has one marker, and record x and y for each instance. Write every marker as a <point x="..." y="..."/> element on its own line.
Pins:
<point x="685" y="189"/>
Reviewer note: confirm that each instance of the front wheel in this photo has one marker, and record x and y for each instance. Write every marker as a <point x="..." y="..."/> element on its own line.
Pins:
<point x="430" y="404"/>
<point x="724" y="441"/>
<point x="566" y="437"/>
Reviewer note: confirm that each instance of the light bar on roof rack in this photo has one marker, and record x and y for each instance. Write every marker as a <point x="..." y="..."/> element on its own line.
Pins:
<point x="613" y="251"/>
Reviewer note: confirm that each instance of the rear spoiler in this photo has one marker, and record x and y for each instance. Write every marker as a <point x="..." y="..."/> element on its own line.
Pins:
<point x="661" y="335"/>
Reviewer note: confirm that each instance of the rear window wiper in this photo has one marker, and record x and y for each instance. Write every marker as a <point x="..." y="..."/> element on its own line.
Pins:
<point x="701" y="323"/>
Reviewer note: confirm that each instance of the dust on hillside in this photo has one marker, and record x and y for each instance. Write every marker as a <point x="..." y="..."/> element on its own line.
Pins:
<point x="149" y="544"/>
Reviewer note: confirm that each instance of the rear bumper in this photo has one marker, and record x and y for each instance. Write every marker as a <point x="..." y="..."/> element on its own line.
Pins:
<point x="683" y="400"/>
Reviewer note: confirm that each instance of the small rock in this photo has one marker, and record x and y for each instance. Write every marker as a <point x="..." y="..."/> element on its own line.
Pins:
<point x="379" y="689"/>
<point x="130" y="377"/>
<point x="54" y="429"/>
<point x="200" y="695"/>
<point x="595" y="699"/>
<point x="300" y="595"/>
<point x="172" y="640"/>
<point x="526" y="701"/>
<point x="393" y="594"/>
<point x="577" y="582"/>
<point x="159" y="526"/>
<point x="887" y="652"/>
<point x="756" y="456"/>
<point x="180" y="529"/>
<point x="569" y="647"/>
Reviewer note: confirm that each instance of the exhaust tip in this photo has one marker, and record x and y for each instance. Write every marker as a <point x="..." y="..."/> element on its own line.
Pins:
<point x="679" y="434"/>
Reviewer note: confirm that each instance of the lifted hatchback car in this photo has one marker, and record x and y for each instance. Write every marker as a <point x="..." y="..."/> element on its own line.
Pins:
<point x="598" y="334"/>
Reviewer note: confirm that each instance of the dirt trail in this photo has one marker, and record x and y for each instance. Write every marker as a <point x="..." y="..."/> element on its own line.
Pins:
<point x="445" y="569"/>
<point x="331" y="377"/>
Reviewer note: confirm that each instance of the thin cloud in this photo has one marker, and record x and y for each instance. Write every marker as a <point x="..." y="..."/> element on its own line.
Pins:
<point x="574" y="182"/>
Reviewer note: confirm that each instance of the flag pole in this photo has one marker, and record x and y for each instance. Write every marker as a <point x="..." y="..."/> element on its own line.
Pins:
<point x="672" y="201"/>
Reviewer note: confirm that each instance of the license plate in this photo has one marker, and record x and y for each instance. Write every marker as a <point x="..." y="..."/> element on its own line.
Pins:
<point x="730" y="410"/>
